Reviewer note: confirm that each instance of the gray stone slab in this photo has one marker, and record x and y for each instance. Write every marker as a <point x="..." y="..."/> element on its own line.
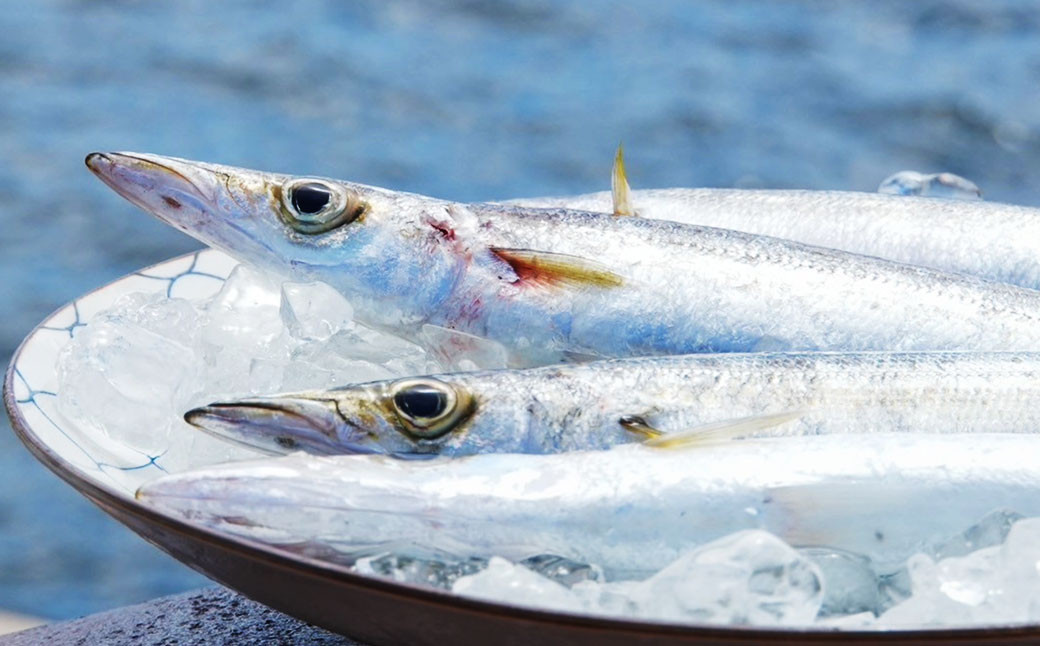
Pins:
<point x="209" y="617"/>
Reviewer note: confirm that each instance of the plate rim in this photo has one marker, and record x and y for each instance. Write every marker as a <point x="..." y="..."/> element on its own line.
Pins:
<point x="333" y="572"/>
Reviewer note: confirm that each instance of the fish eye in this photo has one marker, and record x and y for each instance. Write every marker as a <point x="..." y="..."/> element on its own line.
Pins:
<point x="428" y="408"/>
<point x="315" y="206"/>
<point x="310" y="198"/>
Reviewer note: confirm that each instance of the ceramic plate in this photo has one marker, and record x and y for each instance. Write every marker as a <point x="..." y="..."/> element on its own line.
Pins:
<point x="326" y="594"/>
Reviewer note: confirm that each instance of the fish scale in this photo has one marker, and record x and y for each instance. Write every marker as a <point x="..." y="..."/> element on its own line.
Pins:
<point x="990" y="240"/>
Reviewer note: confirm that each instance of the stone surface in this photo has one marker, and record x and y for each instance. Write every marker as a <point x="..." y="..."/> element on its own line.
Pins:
<point x="209" y="617"/>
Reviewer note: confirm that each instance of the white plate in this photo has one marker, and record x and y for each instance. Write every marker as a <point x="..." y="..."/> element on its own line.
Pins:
<point x="323" y="593"/>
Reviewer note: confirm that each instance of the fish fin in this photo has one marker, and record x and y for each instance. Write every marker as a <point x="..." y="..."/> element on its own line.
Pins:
<point x="556" y="268"/>
<point x="721" y="431"/>
<point x="639" y="426"/>
<point x="619" y="190"/>
<point x="573" y="356"/>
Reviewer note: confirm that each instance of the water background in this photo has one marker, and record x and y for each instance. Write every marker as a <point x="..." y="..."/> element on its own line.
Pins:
<point x="463" y="100"/>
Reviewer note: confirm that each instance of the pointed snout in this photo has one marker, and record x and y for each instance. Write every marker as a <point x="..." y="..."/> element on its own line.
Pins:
<point x="125" y="171"/>
<point x="177" y="191"/>
<point x="96" y="162"/>
<point x="275" y="424"/>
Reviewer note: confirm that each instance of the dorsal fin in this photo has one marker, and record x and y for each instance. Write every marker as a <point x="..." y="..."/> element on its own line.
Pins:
<point x="548" y="268"/>
<point x="619" y="190"/>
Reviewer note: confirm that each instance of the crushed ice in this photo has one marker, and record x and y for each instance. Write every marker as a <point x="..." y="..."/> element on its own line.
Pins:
<point x="151" y="358"/>
<point x="754" y="578"/>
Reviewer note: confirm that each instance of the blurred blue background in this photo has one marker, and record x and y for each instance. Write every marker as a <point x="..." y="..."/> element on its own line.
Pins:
<point x="466" y="100"/>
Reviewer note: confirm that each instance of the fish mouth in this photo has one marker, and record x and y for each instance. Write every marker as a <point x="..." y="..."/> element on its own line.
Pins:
<point x="209" y="202"/>
<point x="277" y="425"/>
<point x="167" y="187"/>
<point x="112" y="168"/>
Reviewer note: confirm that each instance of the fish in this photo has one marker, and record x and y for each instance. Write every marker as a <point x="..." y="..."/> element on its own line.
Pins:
<point x="628" y="509"/>
<point x="999" y="242"/>
<point x="661" y="401"/>
<point x="554" y="283"/>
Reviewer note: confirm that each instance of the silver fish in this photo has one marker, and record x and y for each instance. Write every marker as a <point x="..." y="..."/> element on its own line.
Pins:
<point x="547" y="282"/>
<point x="664" y="401"/>
<point x="999" y="242"/>
<point x="628" y="509"/>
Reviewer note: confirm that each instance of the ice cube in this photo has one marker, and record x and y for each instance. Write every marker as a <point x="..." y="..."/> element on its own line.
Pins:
<point x="439" y="571"/>
<point x="893" y="588"/>
<point x="188" y="447"/>
<point x="563" y="570"/>
<point x="245" y="312"/>
<point x="997" y="584"/>
<point x="992" y="530"/>
<point x="246" y="288"/>
<point x="336" y="369"/>
<point x="124" y="381"/>
<point x="850" y="583"/>
<point x="1021" y="549"/>
<point x="614" y="599"/>
<point x="314" y="311"/>
<point x="909" y="182"/>
<point x="360" y="343"/>
<point x="173" y="318"/>
<point x="951" y="592"/>
<point x="457" y="350"/>
<point x="138" y="366"/>
<point x="749" y="577"/>
<point x="507" y="582"/>
<point x="923" y="602"/>
<point x="266" y="376"/>
<point x="299" y="375"/>
<point x="242" y="337"/>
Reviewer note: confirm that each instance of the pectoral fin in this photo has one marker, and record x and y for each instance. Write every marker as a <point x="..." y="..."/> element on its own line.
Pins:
<point x="619" y="190"/>
<point x="573" y="356"/>
<point x="639" y="426"/>
<point x="710" y="433"/>
<point x="550" y="268"/>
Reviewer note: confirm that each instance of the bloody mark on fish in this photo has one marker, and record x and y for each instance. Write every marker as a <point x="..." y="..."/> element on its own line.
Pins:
<point x="471" y="311"/>
<point x="171" y="202"/>
<point x="442" y="228"/>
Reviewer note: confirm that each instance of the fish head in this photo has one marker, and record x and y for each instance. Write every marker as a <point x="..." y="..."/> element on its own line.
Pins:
<point x="367" y="241"/>
<point x="412" y="417"/>
<point x="278" y="500"/>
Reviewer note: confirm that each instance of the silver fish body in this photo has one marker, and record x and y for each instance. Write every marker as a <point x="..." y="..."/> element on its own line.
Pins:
<point x="628" y="509"/>
<point x="996" y="241"/>
<point x="546" y="282"/>
<point x="604" y="403"/>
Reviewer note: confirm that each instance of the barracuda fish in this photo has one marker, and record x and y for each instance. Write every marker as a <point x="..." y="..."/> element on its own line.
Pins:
<point x="549" y="282"/>
<point x="662" y="401"/>
<point x="995" y="241"/>
<point x="628" y="509"/>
